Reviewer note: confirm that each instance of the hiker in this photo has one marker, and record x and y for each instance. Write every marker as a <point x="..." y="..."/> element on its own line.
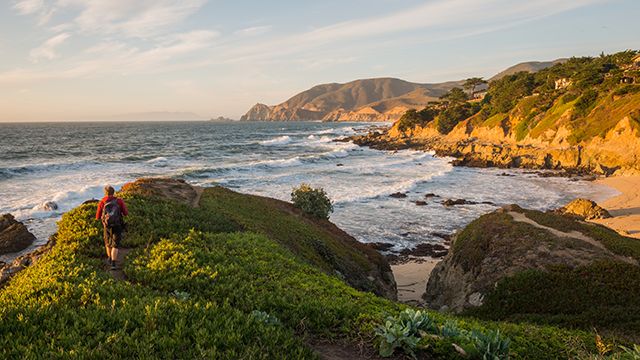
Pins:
<point x="112" y="211"/>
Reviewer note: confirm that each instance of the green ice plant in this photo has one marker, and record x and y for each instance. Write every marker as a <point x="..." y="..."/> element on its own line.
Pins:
<point x="491" y="346"/>
<point x="451" y="330"/>
<point x="264" y="317"/>
<point x="394" y="335"/>
<point x="404" y="332"/>
<point x="407" y="330"/>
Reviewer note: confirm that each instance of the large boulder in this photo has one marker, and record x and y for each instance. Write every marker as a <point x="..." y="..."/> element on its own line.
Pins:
<point x="585" y="209"/>
<point x="49" y="206"/>
<point x="14" y="236"/>
<point x="506" y="242"/>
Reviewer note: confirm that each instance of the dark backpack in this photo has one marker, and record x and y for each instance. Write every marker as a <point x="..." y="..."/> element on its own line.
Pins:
<point x="111" y="214"/>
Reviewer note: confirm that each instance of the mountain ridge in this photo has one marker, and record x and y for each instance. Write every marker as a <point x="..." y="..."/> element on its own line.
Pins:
<point x="371" y="99"/>
<point x="376" y="99"/>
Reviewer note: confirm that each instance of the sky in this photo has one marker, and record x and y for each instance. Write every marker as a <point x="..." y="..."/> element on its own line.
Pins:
<point x="90" y="59"/>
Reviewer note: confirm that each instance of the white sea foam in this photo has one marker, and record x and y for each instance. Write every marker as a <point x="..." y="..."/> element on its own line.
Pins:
<point x="280" y="140"/>
<point x="157" y="160"/>
<point x="357" y="179"/>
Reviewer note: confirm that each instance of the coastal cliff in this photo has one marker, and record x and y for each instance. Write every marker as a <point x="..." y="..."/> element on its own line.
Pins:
<point x="580" y="115"/>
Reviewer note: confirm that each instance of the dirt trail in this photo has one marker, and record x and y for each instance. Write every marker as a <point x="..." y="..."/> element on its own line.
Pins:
<point x="196" y="200"/>
<point x="572" y="234"/>
<point x="118" y="273"/>
<point x="170" y="189"/>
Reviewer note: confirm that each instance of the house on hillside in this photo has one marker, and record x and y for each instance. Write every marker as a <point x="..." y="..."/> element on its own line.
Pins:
<point x="562" y="83"/>
<point x="627" y="80"/>
<point x="479" y="95"/>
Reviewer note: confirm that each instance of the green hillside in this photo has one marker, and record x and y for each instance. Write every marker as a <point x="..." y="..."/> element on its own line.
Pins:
<point x="215" y="281"/>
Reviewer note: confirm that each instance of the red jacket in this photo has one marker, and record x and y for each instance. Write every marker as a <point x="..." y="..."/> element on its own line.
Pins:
<point x="123" y="207"/>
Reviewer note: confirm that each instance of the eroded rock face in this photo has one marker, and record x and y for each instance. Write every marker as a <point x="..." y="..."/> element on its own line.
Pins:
<point x="614" y="152"/>
<point x="14" y="236"/>
<point x="585" y="209"/>
<point x="502" y="244"/>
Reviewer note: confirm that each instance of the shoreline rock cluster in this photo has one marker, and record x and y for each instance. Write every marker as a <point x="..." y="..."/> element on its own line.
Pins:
<point x="550" y="163"/>
<point x="14" y="236"/>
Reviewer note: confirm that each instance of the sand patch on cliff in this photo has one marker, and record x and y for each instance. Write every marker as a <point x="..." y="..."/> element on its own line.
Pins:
<point x="624" y="208"/>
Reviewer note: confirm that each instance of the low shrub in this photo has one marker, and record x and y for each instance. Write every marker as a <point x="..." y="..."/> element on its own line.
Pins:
<point x="314" y="202"/>
<point x="585" y="103"/>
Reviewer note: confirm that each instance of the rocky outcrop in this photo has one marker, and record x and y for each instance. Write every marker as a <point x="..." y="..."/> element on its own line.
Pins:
<point x="616" y="152"/>
<point x="504" y="243"/>
<point x="585" y="209"/>
<point x="49" y="206"/>
<point x="14" y="236"/>
<point x="257" y="112"/>
<point x="10" y="269"/>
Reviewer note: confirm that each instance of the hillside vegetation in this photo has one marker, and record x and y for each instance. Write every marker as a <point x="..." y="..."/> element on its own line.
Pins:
<point x="237" y="277"/>
<point x="582" y="114"/>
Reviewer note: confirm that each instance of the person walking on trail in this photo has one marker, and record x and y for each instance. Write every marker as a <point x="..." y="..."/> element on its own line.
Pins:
<point x="111" y="211"/>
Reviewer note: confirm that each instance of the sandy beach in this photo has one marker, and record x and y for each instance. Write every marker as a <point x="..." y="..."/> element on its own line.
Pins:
<point x="411" y="279"/>
<point x="625" y="208"/>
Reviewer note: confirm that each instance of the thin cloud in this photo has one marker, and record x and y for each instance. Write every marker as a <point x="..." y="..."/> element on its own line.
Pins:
<point x="115" y="57"/>
<point x="27" y="7"/>
<point x="47" y="50"/>
<point x="449" y="19"/>
<point x="141" y="18"/>
<point x="254" y="30"/>
<point x="445" y="15"/>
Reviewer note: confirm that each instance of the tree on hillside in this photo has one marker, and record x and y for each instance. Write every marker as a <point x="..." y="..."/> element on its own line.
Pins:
<point x="455" y="96"/>
<point x="471" y="84"/>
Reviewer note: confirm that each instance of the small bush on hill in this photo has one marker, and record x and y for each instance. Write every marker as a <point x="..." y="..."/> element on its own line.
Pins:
<point x="413" y="118"/>
<point x="627" y="89"/>
<point x="585" y="102"/>
<point x="454" y="114"/>
<point x="314" y="202"/>
<point x="506" y="92"/>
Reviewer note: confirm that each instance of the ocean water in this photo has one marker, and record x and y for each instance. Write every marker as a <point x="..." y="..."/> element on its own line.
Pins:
<point x="69" y="163"/>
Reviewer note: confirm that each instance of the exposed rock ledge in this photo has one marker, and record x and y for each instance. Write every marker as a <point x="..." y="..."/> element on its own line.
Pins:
<point x="616" y="153"/>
